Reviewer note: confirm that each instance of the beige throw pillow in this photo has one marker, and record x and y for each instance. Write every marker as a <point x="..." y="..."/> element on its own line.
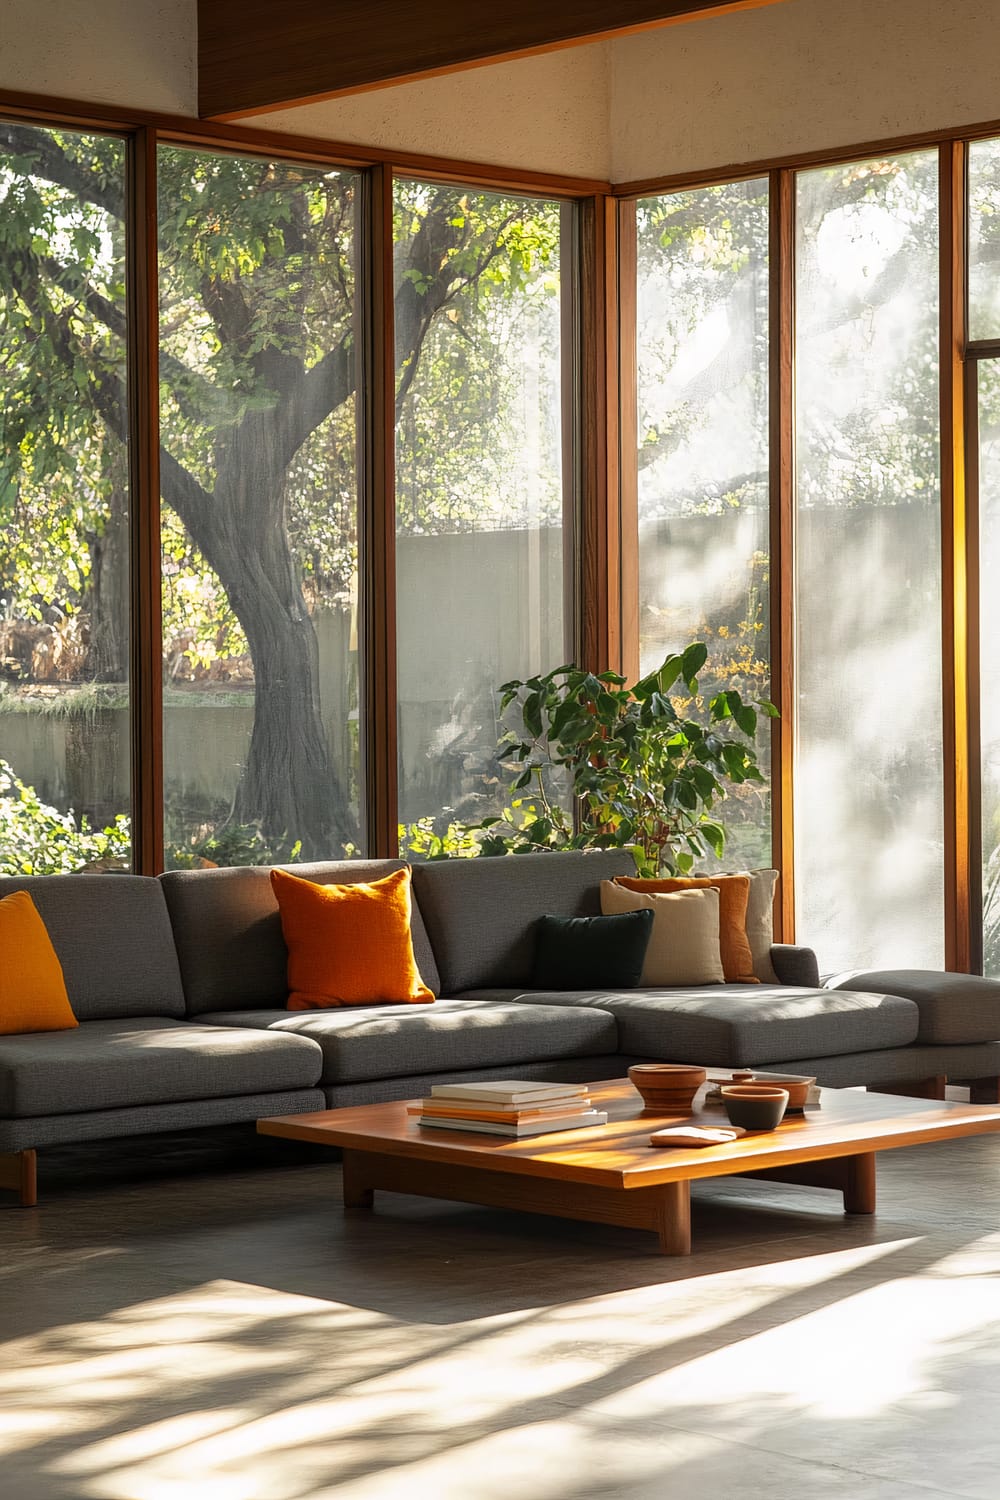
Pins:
<point x="760" y="922"/>
<point x="684" y="947"/>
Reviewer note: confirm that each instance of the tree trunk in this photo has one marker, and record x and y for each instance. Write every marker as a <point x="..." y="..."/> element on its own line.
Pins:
<point x="107" y="654"/>
<point x="289" y="784"/>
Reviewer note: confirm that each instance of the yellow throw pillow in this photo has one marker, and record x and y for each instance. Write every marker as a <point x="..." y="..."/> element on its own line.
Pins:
<point x="734" y="894"/>
<point x="684" y="948"/>
<point x="348" y="944"/>
<point x="32" y="988"/>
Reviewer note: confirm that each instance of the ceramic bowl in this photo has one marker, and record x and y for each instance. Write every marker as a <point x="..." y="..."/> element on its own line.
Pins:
<point x="753" y="1106"/>
<point x="667" y="1088"/>
<point x="798" y="1088"/>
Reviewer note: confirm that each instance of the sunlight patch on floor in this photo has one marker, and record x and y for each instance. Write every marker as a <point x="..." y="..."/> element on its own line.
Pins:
<point x="252" y="1394"/>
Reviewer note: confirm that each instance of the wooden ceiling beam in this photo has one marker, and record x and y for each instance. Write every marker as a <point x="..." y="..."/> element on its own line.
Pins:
<point x="260" y="55"/>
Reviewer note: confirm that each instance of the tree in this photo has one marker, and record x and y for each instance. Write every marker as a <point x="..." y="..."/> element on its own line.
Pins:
<point x="259" y="341"/>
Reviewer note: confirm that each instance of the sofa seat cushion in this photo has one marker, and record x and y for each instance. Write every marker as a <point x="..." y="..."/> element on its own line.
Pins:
<point x="386" y="1041"/>
<point x="741" y="1025"/>
<point x="145" y="1061"/>
<point x="954" y="1008"/>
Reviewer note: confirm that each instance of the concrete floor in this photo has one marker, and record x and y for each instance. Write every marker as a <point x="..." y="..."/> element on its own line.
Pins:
<point x="201" y="1320"/>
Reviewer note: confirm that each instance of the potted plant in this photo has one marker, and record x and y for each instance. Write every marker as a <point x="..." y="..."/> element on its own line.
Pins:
<point x="601" y="764"/>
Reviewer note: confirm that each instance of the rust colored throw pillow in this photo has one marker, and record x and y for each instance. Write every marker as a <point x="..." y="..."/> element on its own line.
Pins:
<point x="734" y="893"/>
<point x="348" y="944"/>
<point x="32" y="988"/>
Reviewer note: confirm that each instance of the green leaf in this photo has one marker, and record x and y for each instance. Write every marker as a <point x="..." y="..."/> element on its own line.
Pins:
<point x="746" y="718"/>
<point x="668" y="673"/>
<point x="693" y="659"/>
<point x="715" y="835"/>
<point x="531" y="713"/>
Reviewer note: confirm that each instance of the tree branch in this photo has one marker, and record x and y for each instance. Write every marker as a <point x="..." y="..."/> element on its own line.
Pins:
<point x="47" y="159"/>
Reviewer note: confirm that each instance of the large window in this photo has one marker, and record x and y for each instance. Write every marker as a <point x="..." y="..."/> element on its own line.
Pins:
<point x="787" y="458"/>
<point x="702" y="320"/>
<point x="868" y="776"/>
<point x="482" y="376"/>
<point x="64" y="503"/>
<point x="258" y="417"/>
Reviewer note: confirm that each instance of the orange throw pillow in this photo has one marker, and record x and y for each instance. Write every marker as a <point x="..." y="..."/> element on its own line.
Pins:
<point x="32" y="988"/>
<point x="348" y="944"/>
<point x="734" y="893"/>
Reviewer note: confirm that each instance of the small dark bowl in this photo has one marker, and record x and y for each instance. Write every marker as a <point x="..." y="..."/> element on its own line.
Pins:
<point x="754" y="1108"/>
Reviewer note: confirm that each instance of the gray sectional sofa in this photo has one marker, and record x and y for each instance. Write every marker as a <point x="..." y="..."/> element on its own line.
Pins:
<point x="179" y="985"/>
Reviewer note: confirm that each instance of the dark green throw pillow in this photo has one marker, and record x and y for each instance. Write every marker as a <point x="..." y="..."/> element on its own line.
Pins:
<point x="591" y="953"/>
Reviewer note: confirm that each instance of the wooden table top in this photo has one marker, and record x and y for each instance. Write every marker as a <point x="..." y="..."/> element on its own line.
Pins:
<point x="618" y="1154"/>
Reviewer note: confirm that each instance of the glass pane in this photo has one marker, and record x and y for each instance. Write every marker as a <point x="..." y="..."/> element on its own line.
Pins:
<point x="868" y="777"/>
<point x="258" y="469"/>
<point x="984" y="240"/>
<point x="989" y="562"/>
<point x="479" y="483"/>
<point x="64" y="504"/>
<point x="703" y="454"/>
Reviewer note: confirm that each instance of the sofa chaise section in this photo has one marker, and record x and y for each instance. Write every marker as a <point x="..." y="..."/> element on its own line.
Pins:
<point x="742" y="1025"/>
<point x="480" y="916"/>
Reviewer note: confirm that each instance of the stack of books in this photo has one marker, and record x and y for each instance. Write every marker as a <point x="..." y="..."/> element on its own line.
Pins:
<point x="508" y="1107"/>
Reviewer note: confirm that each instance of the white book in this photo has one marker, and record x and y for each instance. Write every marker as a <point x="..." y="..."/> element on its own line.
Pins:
<point x="517" y="1130"/>
<point x="510" y="1091"/>
<point x="501" y="1107"/>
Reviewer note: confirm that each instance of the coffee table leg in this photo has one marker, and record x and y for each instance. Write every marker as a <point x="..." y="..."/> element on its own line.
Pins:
<point x="357" y="1194"/>
<point x="859" y="1183"/>
<point x="673" y="1217"/>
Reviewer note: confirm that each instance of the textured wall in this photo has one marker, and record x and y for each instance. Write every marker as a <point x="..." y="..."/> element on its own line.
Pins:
<point x="803" y="74"/>
<point x="545" y="114"/>
<point x="799" y="76"/>
<point x="130" y="52"/>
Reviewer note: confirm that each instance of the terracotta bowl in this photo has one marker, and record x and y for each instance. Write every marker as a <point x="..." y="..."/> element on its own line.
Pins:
<point x="797" y="1088"/>
<point x="667" y="1088"/>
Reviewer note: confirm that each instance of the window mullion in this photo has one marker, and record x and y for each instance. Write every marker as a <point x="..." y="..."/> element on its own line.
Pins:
<point x="146" y="670"/>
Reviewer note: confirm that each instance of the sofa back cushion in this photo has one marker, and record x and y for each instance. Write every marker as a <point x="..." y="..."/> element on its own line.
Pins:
<point x="112" y="936"/>
<point x="481" y="913"/>
<point x="228" y="931"/>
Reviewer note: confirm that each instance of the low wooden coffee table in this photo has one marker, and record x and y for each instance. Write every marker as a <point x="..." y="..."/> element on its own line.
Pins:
<point x="609" y="1173"/>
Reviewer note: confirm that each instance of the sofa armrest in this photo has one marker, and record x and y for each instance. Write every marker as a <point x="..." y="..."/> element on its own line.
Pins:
<point x="795" y="965"/>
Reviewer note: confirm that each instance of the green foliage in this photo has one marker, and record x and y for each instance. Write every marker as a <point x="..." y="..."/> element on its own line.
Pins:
<point x="492" y="264"/>
<point x="437" y="838"/>
<point x="232" y="844"/>
<point x="36" y="839"/>
<point x="645" y="774"/>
